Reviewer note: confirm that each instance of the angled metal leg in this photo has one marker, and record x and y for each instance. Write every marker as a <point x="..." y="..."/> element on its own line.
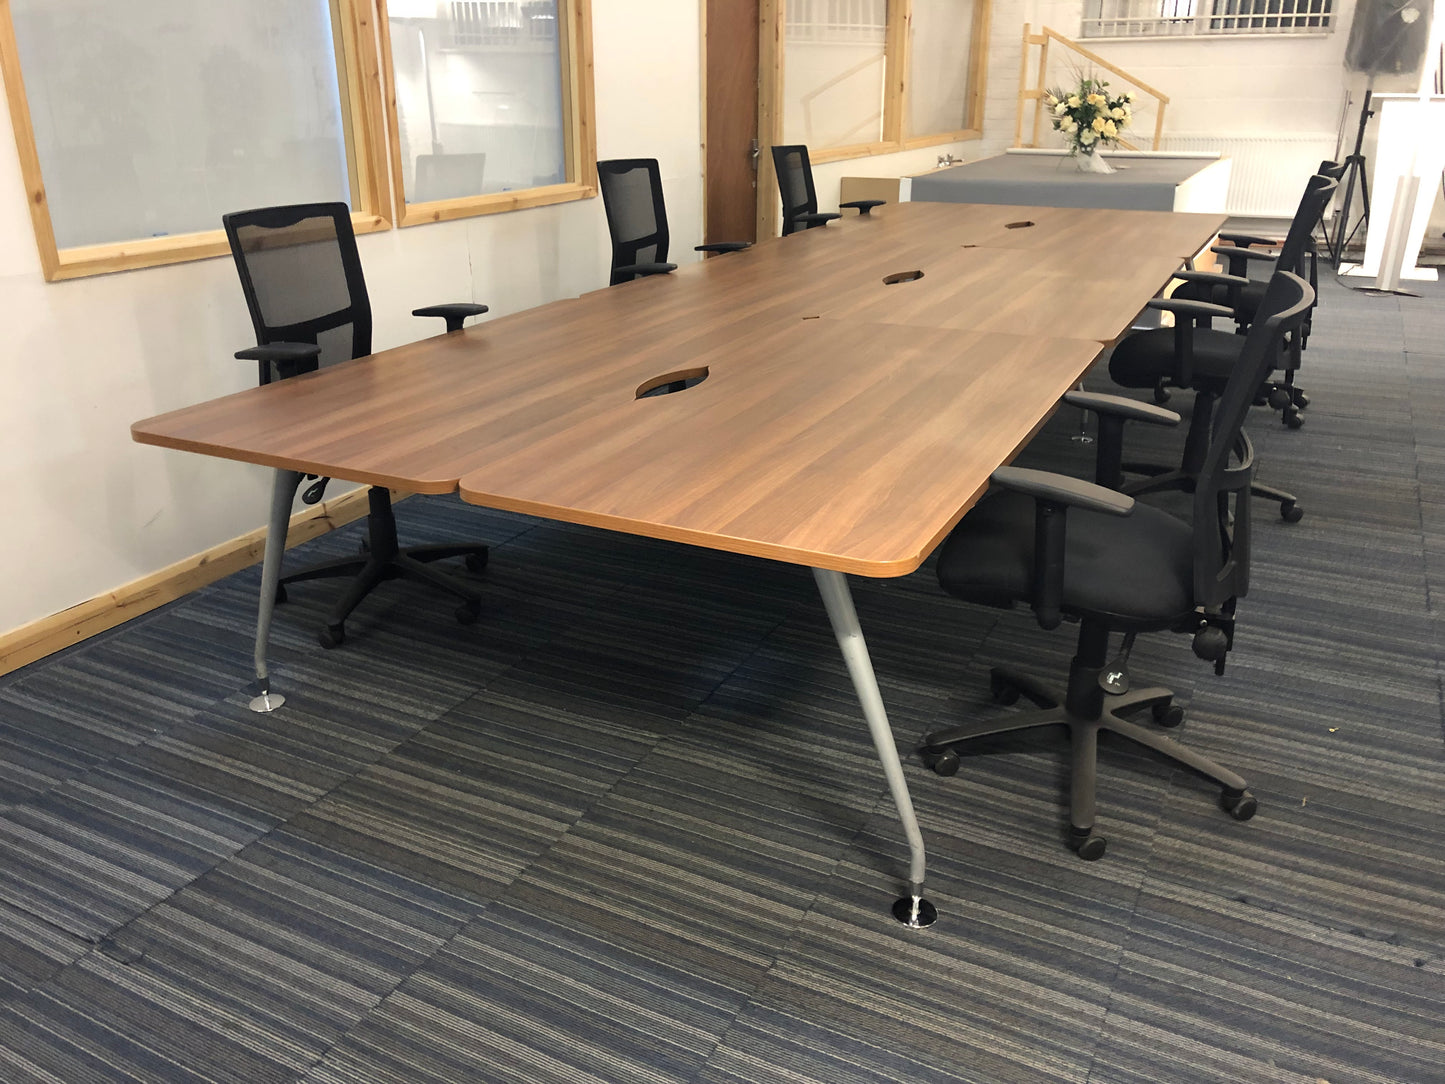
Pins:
<point x="912" y="910"/>
<point x="283" y="492"/>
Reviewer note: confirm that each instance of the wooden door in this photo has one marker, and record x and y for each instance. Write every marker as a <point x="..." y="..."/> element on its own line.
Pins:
<point x="732" y="159"/>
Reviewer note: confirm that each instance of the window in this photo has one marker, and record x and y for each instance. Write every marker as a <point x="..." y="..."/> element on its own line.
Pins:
<point x="486" y="113"/>
<point x="1171" y="18"/>
<point x="140" y="124"/>
<point x="864" y="77"/>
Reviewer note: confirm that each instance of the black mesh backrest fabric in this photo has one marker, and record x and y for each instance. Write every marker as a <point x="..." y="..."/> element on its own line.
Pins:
<point x="795" y="184"/>
<point x="301" y="275"/>
<point x="636" y="219"/>
<point x="1318" y="192"/>
<point x="1222" y="499"/>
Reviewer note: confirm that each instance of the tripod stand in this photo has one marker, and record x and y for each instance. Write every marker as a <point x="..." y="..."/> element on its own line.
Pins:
<point x="1354" y="170"/>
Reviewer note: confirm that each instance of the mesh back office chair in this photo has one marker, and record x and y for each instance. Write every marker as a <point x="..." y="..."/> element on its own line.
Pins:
<point x="301" y="275"/>
<point x="800" y="199"/>
<point x="1202" y="358"/>
<point x="1068" y="548"/>
<point x="637" y="219"/>
<point x="1296" y="252"/>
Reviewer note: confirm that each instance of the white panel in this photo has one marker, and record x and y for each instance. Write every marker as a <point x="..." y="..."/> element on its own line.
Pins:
<point x="478" y="97"/>
<point x="942" y="38"/>
<point x="834" y="59"/>
<point x="157" y="118"/>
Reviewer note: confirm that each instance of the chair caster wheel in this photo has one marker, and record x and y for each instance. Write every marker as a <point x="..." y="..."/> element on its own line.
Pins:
<point x="1161" y="394"/>
<point x="476" y="562"/>
<point x="1301" y="400"/>
<point x="1292" y="420"/>
<point x="1168" y="714"/>
<point x="1291" y="512"/>
<point x="1002" y="690"/>
<point x="1086" y="845"/>
<point x="330" y="636"/>
<point x="280" y="592"/>
<point x="468" y="612"/>
<point x="943" y="761"/>
<point x="1240" y="805"/>
<point x="1279" y="399"/>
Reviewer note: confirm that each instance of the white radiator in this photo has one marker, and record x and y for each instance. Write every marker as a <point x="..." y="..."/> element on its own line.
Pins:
<point x="1269" y="171"/>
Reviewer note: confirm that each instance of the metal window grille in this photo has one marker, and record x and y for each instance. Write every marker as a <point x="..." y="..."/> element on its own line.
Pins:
<point x="499" y="22"/>
<point x="1183" y="18"/>
<point x="836" y="20"/>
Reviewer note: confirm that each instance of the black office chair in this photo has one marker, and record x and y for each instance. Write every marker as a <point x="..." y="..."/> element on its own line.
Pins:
<point x="637" y="219"/>
<point x="1297" y="252"/>
<point x="301" y="275"/>
<point x="1189" y="355"/>
<point x="800" y="199"/>
<point x="1068" y="548"/>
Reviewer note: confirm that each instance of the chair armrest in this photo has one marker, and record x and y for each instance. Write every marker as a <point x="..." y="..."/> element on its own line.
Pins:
<point x="816" y="218"/>
<point x="1218" y="278"/>
<point x="1113" y="411"/>
<point x="1060" y="489"/>
<point x="453" y="314"/>
<point x="1182" y="307"/>
<point x="1054" y="495"/>
<point x="1246" y="239"/>
<point x="723" y="246"/>
<point x="1243" y="253"/>
<point x="1120" y="407"/>
<point x="638" y="270"/>
<point x="290" y="359"/>
<point x="863" y="206"/>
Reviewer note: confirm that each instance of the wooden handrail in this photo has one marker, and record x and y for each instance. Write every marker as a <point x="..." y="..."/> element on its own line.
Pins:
<point x="1036" y="93"/>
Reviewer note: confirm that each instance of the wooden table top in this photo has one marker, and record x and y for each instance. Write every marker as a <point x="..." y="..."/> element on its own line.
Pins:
<point x="837" y="427"/>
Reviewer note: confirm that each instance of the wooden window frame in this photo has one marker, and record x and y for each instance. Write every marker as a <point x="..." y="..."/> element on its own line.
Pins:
<point x="357" y="63"/>
<point x="579" y="130"/>
<point x="895" y="83"/>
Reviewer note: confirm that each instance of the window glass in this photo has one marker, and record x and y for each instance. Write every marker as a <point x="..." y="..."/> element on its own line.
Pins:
<point x="835" y="64"/>
<point x="155" y="119"/>
<point x="939" y="61"/>
<point x="478" y="96"/>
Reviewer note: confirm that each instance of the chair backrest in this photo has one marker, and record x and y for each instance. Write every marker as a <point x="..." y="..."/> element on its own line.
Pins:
<point x="795" y="184"/>
<point x="1319" y="190"/>
<point x="301" y="275"/>
<point x="636" y="218"/>
<point x="1222" y="498"/>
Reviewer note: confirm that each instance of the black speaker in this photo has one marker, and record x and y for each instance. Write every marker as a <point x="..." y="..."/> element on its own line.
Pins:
<point x="1388" y="37"/>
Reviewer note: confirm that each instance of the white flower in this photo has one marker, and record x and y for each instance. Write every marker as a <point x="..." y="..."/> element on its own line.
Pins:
<point x="1098" y="124"/>
<point x="1061" y="108"/>
<point x="1118" y="114"/>
<point x="1129" y="96"/>
<point x="1087" y="138"/>
<point x="1070" y="125"/>
<point x="1110" y="130"/>
<point x="1073" y="101"/>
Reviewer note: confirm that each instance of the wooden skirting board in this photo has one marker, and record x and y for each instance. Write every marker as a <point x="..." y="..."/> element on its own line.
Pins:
<point x="83" y="620"/>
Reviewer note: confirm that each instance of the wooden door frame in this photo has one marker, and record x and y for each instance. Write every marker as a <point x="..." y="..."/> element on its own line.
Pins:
<point x="769" y="90"/>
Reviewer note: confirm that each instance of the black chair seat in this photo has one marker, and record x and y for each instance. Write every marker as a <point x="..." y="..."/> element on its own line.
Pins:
<point x="1137" y="571"/>
<point x="1144" y="358"/>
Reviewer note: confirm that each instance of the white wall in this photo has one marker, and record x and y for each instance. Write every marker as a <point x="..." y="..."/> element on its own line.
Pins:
<point x="88" y="510"/>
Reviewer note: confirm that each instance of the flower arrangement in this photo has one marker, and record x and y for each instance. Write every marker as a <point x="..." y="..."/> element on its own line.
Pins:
<point x="1090" y="117"/>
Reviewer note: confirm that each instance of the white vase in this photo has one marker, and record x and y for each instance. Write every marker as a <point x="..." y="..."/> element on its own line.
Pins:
<point x="1092" y="163"/>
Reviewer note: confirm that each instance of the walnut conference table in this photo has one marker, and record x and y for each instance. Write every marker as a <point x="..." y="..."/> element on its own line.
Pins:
<point x="851" y="409"/>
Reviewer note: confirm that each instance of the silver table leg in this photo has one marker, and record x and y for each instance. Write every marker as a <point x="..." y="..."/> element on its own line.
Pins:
<point x="912" y="910"/>
<point x="283" y="491"/>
